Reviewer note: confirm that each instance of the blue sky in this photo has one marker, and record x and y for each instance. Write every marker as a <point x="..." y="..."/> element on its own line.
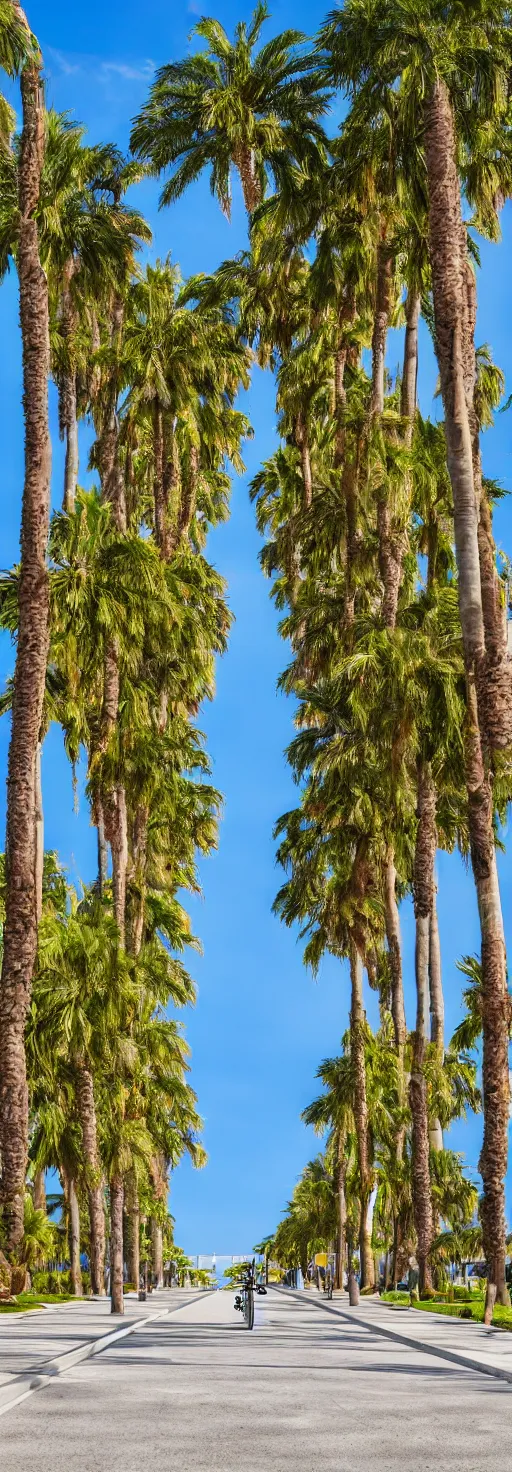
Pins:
<point x="261" y="1025"/>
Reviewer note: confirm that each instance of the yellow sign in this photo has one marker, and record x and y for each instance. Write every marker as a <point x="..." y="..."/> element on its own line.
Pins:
<point x="320" y="1259"/>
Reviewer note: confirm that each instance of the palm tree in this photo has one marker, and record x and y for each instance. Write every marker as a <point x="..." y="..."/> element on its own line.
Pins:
<point x="373" y="48"/>
<point x="56" y="1142"/>
<point x="367" y="41"/>
<point x="81" y="986"/>
<point x="19" y="50"/>
<point x="226" y="107"/>
<point x="333" y="1110"/>
<point x="184" y="364"/>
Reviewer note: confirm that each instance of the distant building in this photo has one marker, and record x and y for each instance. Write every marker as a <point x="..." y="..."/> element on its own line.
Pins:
<point x="216" y="1262"/>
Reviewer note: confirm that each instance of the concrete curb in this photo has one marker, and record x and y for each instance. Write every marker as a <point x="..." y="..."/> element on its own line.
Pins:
<point x="39" y="1378"/>
<point x="419" y="1344"/>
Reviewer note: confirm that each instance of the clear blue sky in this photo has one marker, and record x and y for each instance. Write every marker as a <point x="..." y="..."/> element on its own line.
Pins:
<point x="261" y="1025"/>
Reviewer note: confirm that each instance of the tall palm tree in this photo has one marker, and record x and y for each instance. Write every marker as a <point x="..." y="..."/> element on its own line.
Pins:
<point x="333" y="1110"/>
<point x="19" y="50"/>
<point x="227" y="107"/>
<point x="427" y="50"/>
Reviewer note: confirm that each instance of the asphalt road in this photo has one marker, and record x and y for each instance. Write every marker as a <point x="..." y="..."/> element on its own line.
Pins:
<point x="198" y="1393"/>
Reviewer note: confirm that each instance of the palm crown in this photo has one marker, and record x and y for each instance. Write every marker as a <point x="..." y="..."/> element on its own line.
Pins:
<point x="229" y="106"/>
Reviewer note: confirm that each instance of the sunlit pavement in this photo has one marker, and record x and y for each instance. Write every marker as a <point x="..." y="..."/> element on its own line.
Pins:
<point x="306" y="1390"/>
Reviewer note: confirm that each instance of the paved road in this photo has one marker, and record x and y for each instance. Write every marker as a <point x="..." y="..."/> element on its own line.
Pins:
<point x="303" y="1393"/>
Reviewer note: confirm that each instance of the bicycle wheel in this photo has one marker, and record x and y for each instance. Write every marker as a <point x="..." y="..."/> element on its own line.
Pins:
<point x="249" y="1307"/>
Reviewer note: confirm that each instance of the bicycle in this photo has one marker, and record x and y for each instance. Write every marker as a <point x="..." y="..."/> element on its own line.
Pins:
<point x="328" y="1284"/>
<point x="244" y="1300"/>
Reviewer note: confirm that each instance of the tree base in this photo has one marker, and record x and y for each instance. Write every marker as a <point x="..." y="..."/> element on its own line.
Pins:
<point x="490" y="1300"/>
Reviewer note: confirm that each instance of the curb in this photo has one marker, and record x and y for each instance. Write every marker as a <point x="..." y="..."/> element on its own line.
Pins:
<point x="42" y="1376"/>
<point x="444" y="1354"/>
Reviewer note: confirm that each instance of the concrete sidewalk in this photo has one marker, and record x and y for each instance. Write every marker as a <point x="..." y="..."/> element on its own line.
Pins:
<point x="488" y="1350"/>
<point x="47" y="1341"/>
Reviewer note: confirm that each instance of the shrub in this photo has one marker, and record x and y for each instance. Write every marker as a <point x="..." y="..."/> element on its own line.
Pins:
<point x="57" y="1283"/>
<point x="40" y="1282"/>
<point x="461" y="1294"/>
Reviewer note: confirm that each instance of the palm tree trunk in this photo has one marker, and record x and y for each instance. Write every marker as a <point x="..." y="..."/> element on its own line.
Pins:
<point x="112" y="479"/>
<point x="171" y="489"/>
<point x="20" y="930"/>
<point x="357" y="1026"/>
<point x="340" y="397"/>
<point x="132" y="1208"/>
<point x="40" y="1191"/>
<point x="157" y="1253"/>
<point x="68" y="422"/>
<point x="393" y="537"/>
<point x="383" y="303"/>
<point x="116" y="1244"/>
<point x="86" y="1109"/>
<point x="392" y="920"/>
<point x="302" y="442"/>
<point x="488" y="699"/>
<point x="436" y="1009"/>
<point x="189" y="494"/>
<point x="410" y="368"/>
<point x="349" y="488"/>
<point x="69" y="408"/>
<point x="395" y="1250"/>
<point x="495" y="677"/>
<point x="243" y="159"/>
<point x="346" y="321"/>
<point x="117" y="832"/>
<point x="39" y="826"/>
<point x="159" y="506"/>
<point x="448" y="279"/>
<point x="394" y="943"/>
<point x="495" y="1015"/>
<point x="102" y="845"/>
<point x="436" y="980"/>
<point x="391" y="551"/>
<point x="74" y="1235"/>
<point x="390" y="545"/>
<point x="307" y="477"/>
<point x="110" y="703"/>
<point x="341" y="1245"/>
<point x="139" y="856"/>
<point x="424" y="859"/>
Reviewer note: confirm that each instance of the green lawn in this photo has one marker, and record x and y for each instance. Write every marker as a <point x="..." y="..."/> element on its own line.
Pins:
<point x="474" y="1309"/>
<point x="35" y="1300"/>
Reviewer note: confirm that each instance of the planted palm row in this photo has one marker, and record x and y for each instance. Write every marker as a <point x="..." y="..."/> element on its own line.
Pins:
<point x="117" y="617"/>
<point x="378" y="528"/>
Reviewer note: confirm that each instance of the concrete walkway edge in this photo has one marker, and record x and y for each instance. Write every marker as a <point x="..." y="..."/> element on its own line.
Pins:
<point x="419" y="1344"/>
<point x="40" y="1378"/>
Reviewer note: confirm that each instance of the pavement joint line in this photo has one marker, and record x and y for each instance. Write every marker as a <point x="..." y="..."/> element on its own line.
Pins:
<point x="419" y="1344"/>
<point x="50" y="1370"/>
